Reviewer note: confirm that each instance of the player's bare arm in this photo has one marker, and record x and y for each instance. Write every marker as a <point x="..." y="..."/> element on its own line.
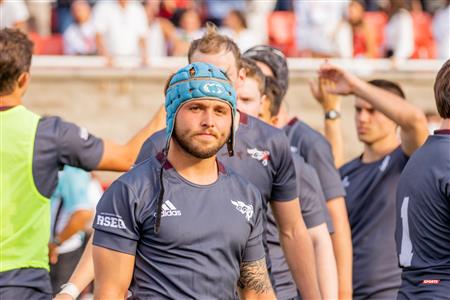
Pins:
<point x="113" y="272"/>
<point x="326" y="263"/>
<point x="342" y="245"/>
<point x="411" y="119"/>
<point x="297" y="247"/>
<point x="254" y="281"/>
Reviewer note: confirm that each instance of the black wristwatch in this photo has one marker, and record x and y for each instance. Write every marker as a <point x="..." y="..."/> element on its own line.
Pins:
<point x="332" y="115"/>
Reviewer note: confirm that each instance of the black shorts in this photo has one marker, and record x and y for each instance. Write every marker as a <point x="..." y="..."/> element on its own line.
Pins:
<point x="19" y="292"/>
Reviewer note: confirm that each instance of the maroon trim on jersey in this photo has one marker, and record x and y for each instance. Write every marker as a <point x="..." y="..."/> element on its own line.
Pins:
<point x="167" y="165"/>
<point x="243" y="118"/>
<point x="3" y="108"/>
<point x="221" y="168"/>
<point x="161" y="157"/>
<point x="293" y="121"/>
<point x="442" y="131"/>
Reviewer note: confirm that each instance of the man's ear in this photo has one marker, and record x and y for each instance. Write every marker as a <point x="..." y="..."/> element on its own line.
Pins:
<point x="241" y="77"/>
<point x="23" y="80"/>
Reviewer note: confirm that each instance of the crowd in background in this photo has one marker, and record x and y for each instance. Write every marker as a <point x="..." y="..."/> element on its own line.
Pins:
<point x="400" y="29"/>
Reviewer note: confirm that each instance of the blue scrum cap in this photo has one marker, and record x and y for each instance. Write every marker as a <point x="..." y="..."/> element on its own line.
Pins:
<point x="198" y="81"/>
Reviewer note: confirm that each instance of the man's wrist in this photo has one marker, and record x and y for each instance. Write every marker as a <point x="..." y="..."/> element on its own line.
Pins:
<point x="332" y="114"/>
<point x="70" y="289"/>
<point x="56" y="241"/>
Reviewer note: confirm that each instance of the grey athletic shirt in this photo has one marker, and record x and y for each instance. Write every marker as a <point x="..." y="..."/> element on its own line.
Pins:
<point x="262" y="156"/>
<point x="371" y="191"/>
<point x="206" y="231"/>
<point x="314" y="212"/>
<point x="423" y="219"/>
<point x="57" y="143"/>
<point x="316" y="151"/>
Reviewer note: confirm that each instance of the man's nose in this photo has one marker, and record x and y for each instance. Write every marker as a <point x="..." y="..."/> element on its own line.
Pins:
<point x="208" y="118"/>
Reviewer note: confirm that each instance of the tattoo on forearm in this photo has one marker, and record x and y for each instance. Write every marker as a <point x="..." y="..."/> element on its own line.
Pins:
<point x="254" y="277"/>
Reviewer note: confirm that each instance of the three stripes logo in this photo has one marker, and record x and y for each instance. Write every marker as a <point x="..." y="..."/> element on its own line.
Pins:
<point x="169" y="210"/>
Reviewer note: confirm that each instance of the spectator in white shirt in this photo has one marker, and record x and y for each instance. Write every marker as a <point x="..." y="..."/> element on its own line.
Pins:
<point x="317" y="22"/>
<point x="441" y="31"/>
<point x="236" y="28"/>
<point x="161" y="32"/>
<point x="121" y="26"/>
<point x="399" y="32"/>
<point x="13" y="14"/>
<point x="79" y="38"/>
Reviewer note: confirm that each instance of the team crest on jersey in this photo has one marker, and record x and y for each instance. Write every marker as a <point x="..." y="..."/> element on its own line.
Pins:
<point x="260" y="155"/>
<point x="246" y="210"/>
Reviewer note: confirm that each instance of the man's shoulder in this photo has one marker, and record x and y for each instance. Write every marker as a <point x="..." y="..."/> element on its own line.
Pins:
<point x="349" y="166"/>
<point x="307" y="133"/>
<point x="143" y="175"/>
<point x="253" y="127"/>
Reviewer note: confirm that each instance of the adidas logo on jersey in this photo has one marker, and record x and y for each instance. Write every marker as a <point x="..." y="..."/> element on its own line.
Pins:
<point x="169" y="210"/>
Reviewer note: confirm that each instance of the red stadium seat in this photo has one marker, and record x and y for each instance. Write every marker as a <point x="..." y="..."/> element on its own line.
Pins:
<point x="377" y="22"/>
<point x="281" y="25"/>
<point x="47" y="45"/>
<point x="425" y="46"/>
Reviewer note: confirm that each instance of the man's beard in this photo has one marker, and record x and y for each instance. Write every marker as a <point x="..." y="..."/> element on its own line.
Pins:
<point x="197" y="151"/>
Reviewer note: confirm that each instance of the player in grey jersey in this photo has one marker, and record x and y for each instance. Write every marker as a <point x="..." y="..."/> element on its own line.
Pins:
<point x="371" y="179"/>
<point x="311" y="199"/>
<point x="32" y="151"/>
<point x="275" y="180"/>
<point x="180" y="225"/>
<point x="423" y="209"/>
<point x="316" y="151"/>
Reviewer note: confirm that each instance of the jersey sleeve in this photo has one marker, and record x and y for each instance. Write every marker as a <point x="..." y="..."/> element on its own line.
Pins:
<point x="254" y="249"/>
<point x="148" y="149"/>
<point x="321" y="158"/>
<point x="284" y="187"/>
<point x="311" y="198"/>
<point x="77" y="147"/>
<point x="116" y="223"/>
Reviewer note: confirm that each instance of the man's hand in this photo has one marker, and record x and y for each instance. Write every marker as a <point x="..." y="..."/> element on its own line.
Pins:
<point x="319" y="90"/>
<point x="344" y="82"/>
<point x="52" y="253"/>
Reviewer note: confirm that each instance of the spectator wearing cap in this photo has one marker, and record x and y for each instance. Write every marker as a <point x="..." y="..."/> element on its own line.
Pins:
<point x="120" y="27"/>
<point x="14" y="14"/>
<point x="79" y="38"/>
<point x="236" y="28"/>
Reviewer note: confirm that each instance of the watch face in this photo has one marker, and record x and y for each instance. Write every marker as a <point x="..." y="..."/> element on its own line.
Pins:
<point x="332" y="114"/>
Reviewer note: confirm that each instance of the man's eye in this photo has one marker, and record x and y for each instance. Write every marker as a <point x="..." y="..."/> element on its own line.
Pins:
<point x="193" y="108"/>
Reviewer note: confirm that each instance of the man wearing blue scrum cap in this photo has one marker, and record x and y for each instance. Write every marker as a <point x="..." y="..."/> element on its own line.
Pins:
<point x="180" y="225"/>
